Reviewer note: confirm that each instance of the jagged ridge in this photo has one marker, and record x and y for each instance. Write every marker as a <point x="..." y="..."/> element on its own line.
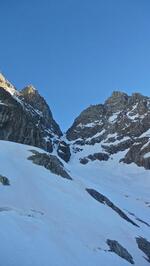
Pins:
<point x="122" y="123"/>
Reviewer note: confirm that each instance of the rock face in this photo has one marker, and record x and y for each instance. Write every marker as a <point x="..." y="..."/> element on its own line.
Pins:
<point x="122" y="123"/>
<point x="26" y="118"/>
<point x="63" y="151"/>
<point x="31" y="97"/>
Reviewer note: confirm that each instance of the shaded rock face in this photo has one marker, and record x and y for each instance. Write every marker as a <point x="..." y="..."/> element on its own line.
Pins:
<point x="19" y="125"/>
<point x="144" y="245"/>
<point x="50" y="162"/>
<point x="119" y="124"/>
<point x="31" y="97"/>
<point x="63" y="151"/>
<point x="119" y="250"/>
<point x="26" y="118"/>
<point x="82" y="128"/>
<point x="96" y="156"/>
<point x="137" y="154"/>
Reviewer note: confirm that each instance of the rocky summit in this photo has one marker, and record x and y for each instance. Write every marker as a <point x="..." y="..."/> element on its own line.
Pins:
<point x="122" y="123"/>
<point x="74" y="198"/>
<point x="26" y="118"/>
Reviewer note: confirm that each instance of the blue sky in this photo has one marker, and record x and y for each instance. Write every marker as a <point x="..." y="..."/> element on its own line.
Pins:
<point x="76" y="52"/>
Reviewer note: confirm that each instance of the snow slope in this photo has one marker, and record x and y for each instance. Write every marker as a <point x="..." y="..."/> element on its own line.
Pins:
<point x="46" y="220"/>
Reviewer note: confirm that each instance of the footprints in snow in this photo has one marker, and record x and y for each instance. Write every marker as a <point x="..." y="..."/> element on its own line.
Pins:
<point x="31" y="213"/>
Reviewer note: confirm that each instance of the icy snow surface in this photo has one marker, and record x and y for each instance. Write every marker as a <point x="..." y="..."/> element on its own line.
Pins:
<point x="46" y="220"/>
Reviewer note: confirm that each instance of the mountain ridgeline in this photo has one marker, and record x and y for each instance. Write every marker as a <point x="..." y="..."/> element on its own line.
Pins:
<point x="121" y="124"/>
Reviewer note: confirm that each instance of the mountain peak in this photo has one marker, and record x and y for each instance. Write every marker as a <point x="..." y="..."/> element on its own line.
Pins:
<point x="4" y="83"/>
<point x="32" y="96"/>
<point x="138" y="96"/>
<point x="117" y="95"/>
<point x="30" y="89"/>
<point x="117" y="101"/>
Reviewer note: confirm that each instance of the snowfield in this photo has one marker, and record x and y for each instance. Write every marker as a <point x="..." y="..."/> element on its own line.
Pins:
<point x="46" y="220"/>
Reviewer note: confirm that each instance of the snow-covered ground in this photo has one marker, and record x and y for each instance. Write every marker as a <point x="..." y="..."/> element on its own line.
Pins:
<point x="46" y="220"/>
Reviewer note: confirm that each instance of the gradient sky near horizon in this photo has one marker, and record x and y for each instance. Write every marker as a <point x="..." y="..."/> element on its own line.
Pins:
<point x="76" y="52"/>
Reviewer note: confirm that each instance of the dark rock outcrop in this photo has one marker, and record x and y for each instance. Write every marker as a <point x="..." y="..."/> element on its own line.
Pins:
<point x="137" y="154"/>
<point x="63" y="151"/>
<point x="104" y="200"/>
<point x="4" y="180"/>
<point x="144" y="245"/>
<point x="96" y="156"/>
<point x="117" y="248"/>
<point x="50" y="162"/>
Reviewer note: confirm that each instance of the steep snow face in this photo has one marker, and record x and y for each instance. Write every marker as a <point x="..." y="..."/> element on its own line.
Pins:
<point x="47" y="220"/>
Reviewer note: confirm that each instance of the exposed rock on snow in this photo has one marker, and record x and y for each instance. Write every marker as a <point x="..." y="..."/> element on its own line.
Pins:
<point x="96" y="156"/>
<point x="63" y="151"/>
<point x="4" y="180"/>
<point x="119" y="250"/>
<point x="50" y="162"/>
<point x="104" y="200"/>
<point x="58" y="223"/>
<point x="144" y="245"/>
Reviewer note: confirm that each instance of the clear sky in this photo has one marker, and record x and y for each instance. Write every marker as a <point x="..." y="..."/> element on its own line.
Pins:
<point x="76" y="52"/>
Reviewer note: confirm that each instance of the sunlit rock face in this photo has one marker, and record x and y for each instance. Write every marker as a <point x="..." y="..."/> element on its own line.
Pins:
<point x="31" y="96"/>
<point x="4" y="83"/>
<point x="25" y="117"/>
